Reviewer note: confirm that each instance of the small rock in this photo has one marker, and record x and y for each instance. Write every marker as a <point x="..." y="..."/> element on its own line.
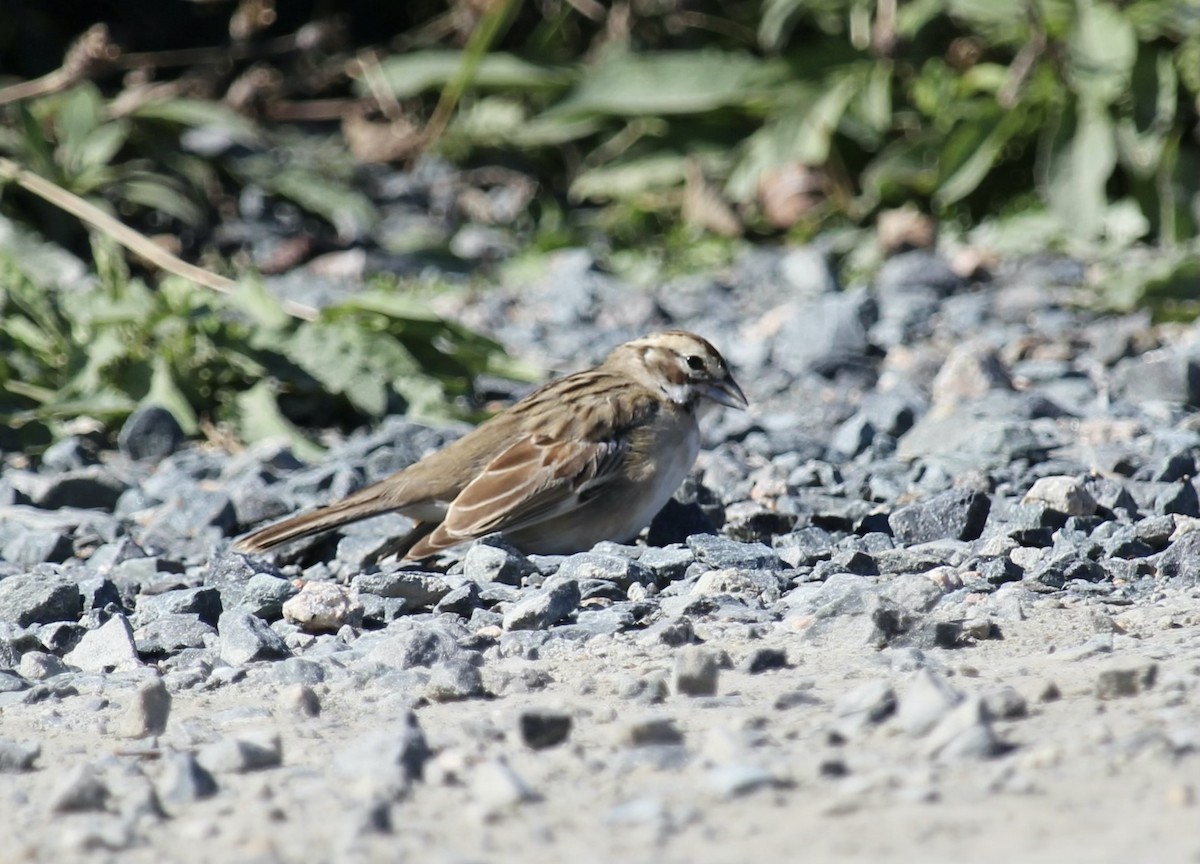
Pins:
<point x="735" y="582"/>
<point x="264" y="594"/>
<point x="1126" y="681"/>
<point x="81" y="791"/>
<point x="17" y="756"/>
<point x="927" y="700"/>
<point x="541" y="729"/>
<point x="695" y="671"/>
<point x="37" y="599"/>
<point x="38" y="666"/>
<point x="146" y="715"/>
<point x="964" y="733"/>
<point x="110" y="646"/>
<point x="301" y="700"/>
<point x="764" y="660"/>
<point x="1062" y="494"/>
<point x="496" y="786"/>
<point x="170" y="634"/>
<point x="452" y="681"/>
<point x="557" y="599"/>
<point x="248" y="751"/>
<point x="245" y="638"/>
<point x="740" y="778"/>
<point x="323" y="607"/>
<point x="151" y="432"/>
<point x="721" y="554"/>
<point x="485" y="562"/>
<point x="958" y="514"/>
<point x="387" y="761"/>
<point x="644" y="731"/>
<point x="183" y="780"/>
<point x="872" y="702"/>
<point x="417" y="590"/>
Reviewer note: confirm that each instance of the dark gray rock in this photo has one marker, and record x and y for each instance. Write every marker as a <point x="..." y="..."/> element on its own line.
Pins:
<point x="81" y="791"/>
<point x="695" y="672"/>
<point x="203" y="602"/>
<point x="720" y="553"/>
<point x="246" y="638"/>
<point x="1166" y="376"/>
<point x="1122" y="681"/>
<point x="804" y="546"/>
<point x="171" y="633"/>
<point x="666" y="564"/>
<point x="540" y="729"/>
<point x="264" y="595"/>
<point x="491" y="560"/>
<point x="389" y="761"/>
<point x="461" y="601"/>
<point x="557" y="599"/>
<point x="454" y="680"/>
<point x="424" y="646"/>
<point x="616" y="569"/>
<point x="1180" y="561"/>
<point x="917" y="269"/>
<point x="183" y="781"/>
<point x="417" y="590"/>
<point x="826" y="334"/>
<point x="151" y="432"/>
<point x="765" y="660"/>
<point x="229" y="572"/>
<point x="677" y="521"/>
<point x="36" y="547"/>
<point x="959" y="514"/>
<point x="38" y="599"/>
<point x="95" y="487"/>
<point x="650" y="731"/>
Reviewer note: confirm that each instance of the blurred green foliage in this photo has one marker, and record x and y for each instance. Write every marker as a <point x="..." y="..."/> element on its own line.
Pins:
<point x="974" y="108"/>
<point x="99" y="352"/>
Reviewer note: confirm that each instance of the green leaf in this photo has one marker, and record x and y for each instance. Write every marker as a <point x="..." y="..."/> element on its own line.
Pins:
<point x="1101" y="50"/>
<point x="164" y="195"/>
<point x="99" y="148"/>
<point x="350" y="360"/>
<point x="630" y="177"/>
<point x="349" y="211"/>
<point x="79" y="114"/>
<point x="418" y="72"/>
<point x="669" y="83"/>
<point x="165" y="392"/>
<point x="201" y="113"/>
<point x="259" y="418"/>
<point x="981" y="144"/>
<point x="264" y="309"/>
<point x="389" y="302"/>
<point x="802" y="133"/>
<point x="1081" y="161"/>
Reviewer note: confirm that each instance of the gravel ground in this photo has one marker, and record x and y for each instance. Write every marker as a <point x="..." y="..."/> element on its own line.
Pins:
<point x="934" y="596"/>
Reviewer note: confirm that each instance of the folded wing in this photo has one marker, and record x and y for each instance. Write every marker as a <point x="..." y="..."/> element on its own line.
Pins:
<point x="536" y="479"/>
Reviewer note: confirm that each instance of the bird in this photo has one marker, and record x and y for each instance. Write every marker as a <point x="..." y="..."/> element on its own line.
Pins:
<point x="587" y="457"/>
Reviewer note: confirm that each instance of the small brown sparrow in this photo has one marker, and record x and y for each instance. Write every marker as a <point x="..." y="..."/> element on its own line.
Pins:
<point x="589" y="457"/>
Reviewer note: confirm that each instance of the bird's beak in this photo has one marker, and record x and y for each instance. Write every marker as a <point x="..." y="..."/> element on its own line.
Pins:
<point x="726" y="392"/>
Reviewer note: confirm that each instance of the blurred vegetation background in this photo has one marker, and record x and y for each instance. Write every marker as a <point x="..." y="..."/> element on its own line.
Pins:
<point x="681" y="126"/>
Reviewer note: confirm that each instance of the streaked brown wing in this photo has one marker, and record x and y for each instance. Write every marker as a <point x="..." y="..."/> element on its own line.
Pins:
<point x="535" y="479"/>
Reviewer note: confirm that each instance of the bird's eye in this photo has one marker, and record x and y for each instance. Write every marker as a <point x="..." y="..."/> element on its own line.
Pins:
<point x="695" y="363"/>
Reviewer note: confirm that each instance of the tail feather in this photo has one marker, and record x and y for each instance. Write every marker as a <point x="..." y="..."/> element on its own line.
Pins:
<point x="362" y="505"/>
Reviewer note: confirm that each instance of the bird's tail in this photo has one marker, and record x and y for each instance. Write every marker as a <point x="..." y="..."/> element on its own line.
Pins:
<point x="371" y="501"/>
